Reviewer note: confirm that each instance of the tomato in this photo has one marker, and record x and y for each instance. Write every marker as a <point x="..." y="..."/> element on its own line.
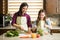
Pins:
<point x="38" y="35"/>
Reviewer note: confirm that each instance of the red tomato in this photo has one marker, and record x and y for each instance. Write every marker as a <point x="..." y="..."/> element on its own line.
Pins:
<point x="38" y="35"/>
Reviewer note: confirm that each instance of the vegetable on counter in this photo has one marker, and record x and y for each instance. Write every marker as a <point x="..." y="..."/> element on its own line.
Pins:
<point x="40" y="32"/>
<point x="12" y="33"/>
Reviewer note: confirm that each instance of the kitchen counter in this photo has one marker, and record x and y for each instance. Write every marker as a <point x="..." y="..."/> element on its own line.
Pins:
<point x="55" y="36"/>
<point x="55" y="29"/>
<point x="11" y="27"/>
<point x="4" y="29"/>
<point x="8" y="27"/>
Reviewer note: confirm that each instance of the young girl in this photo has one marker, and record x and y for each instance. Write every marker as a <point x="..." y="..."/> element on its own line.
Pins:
<point x="42" y="22"/>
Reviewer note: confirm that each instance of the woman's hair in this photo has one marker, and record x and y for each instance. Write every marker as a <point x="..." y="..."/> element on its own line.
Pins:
<point x="19" y="13"/>
<point x="38" y="18"/>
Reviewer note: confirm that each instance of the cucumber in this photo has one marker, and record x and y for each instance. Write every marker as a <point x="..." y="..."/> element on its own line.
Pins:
<point x="12" y="33"/>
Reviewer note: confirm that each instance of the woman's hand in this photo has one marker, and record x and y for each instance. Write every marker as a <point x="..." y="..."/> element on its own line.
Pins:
<point x="21" y="28"/>
<point x="34" y="29"/>
<point x="29" y="30"/>
<point x="18" y="26"/>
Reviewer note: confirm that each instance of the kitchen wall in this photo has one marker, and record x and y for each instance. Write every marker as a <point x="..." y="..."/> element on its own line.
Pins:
<point x="34" y="7"/>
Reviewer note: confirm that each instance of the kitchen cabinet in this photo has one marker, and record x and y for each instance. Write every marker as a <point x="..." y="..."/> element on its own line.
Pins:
<point x="59" y="6"/>
<point x="52" y="6"/>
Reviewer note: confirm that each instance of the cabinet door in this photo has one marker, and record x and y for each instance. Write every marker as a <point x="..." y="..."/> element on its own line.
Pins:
<point x="58" y="6"/>
<point x="51" y="6"/>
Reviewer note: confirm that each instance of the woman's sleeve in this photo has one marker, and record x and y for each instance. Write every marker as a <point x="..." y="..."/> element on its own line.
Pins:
<point x="13" y="19"/>
<point x="29" y="22"/>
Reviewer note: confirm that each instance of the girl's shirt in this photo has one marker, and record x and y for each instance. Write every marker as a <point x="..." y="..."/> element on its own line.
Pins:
<point x="42" y="23"/>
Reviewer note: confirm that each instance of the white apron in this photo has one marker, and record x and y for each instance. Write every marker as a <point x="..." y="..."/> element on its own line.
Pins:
<point x="22" y="21"/>
<point x="41" y="25"/>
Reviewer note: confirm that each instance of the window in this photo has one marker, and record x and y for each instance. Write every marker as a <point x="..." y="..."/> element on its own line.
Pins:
<point x="34" y="7"/>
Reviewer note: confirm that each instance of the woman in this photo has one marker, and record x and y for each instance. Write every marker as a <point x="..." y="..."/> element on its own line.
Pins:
<point x="42" y="22"/>
<point x="22" y="13"/>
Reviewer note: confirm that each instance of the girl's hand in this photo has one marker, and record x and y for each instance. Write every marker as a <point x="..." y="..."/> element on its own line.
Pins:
<point x="47" y="26"/>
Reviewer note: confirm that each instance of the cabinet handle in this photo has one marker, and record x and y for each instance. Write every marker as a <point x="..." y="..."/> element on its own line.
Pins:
<point x="56" y="10"/>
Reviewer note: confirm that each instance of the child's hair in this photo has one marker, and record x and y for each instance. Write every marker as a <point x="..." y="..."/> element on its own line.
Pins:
<point x="38" y="18"/>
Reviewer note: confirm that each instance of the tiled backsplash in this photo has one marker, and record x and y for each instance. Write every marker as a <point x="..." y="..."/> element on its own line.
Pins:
<point x="55" y="18"/>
